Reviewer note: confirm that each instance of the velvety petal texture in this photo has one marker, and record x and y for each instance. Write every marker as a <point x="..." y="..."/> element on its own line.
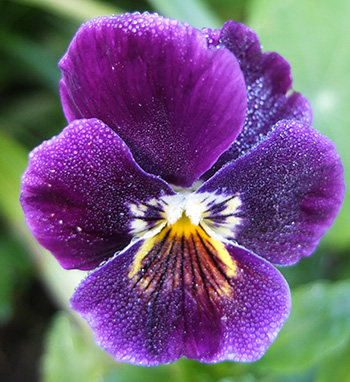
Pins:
<point x="268" y="79"/>
<point x="176" y="103"/>
<point x="291" y="187"/>
<point x="77" y="192"/>
<point x="183" y="313"/>
<point x="155" y="105"/>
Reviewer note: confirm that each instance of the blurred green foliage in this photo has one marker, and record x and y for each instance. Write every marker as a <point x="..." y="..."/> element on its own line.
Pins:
<point x="316" y="32"/>
<point x="313" y="35"/>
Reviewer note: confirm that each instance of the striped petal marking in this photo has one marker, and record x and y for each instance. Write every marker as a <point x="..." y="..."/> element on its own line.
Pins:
<point x="184" y="242"/>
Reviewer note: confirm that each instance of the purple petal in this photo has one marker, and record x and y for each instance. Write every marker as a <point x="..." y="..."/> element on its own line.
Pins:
<point x="268" y="80"/>
<point x="290" y="187"/>
<point x="78" y="190"/>
<point x="186" y="296"/>
<point x="177" y="103"/>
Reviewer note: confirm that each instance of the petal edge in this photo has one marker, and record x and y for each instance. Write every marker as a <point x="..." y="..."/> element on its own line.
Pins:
<point x="77" y="192"/>
<point x="166" y="311"/>
<point x="176" y="103"/>
<point x="291" y="188"/>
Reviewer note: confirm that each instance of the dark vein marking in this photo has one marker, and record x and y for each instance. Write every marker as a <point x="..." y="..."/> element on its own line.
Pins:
<point x="149" y="263"/>
<point x="204" y="278"/>
<point x="214" y="258"/>
<point x="221" y="204"/>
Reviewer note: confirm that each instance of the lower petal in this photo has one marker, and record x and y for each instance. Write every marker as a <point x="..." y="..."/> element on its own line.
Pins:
<point x="184" y="295"/>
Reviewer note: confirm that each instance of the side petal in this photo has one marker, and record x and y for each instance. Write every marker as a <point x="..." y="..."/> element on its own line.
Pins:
<point x="290" y="188"/>
<point x="176" y="103"/>
<point x="268" y="80"/>
<point x="184" y="296"/>
<point x="78" y="192"/>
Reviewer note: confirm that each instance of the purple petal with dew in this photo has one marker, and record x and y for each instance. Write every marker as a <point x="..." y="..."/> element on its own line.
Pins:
<point x="183" y="302"/>
<point x="77" y="192"/>
<point x="290" y="187"/>
<point x="177" y="103"/>
<point x="268" y="80"/>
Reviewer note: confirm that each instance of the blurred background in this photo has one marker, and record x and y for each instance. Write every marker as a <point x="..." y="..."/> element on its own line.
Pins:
<point x="41" y="339"/>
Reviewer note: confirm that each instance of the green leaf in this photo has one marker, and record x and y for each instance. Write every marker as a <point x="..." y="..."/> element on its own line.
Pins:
<point x="15" y="272"/>
<point x="318" y="325"/>
<point x="194" y="12"/>
<point x="312" y="36"/>
<point x="184" y="370"/>
<point x="77" y="10"/>
<point x="33" y="58"/>
<point x="70" y="354"/>
<point x="337" y="367"/>
<point x="130" y="373"/>
<point x="230" y="10"/>
<point x="13" y="161"/>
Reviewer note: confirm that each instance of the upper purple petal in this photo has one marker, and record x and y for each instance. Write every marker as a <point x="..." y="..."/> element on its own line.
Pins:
<point x="290" y="187"/>
<point x="177" y="103"/>
<point x="268" y="80"/>
<point x="181" y="303"/>
<point x="78" y="190"/>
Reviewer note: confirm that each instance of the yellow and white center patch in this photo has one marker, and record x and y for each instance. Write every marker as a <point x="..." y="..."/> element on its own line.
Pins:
<point x="183" y="243"/>
<point x="217" y="214"/>
<point x="184" y="253"/>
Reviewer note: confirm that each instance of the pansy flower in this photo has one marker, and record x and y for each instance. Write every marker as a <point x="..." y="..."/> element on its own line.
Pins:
<point x="187" y="171"/>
